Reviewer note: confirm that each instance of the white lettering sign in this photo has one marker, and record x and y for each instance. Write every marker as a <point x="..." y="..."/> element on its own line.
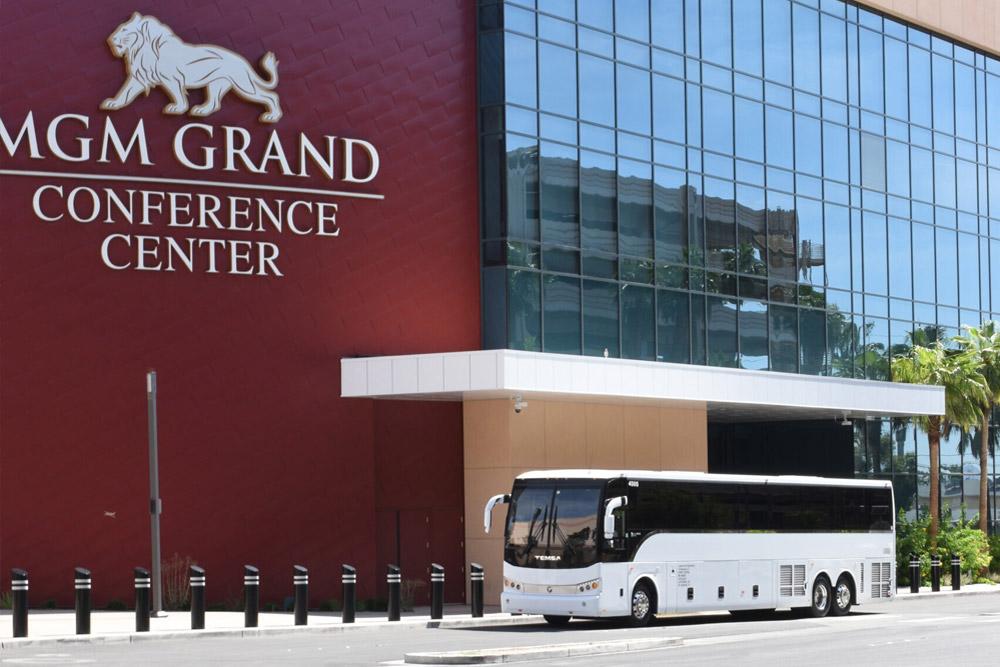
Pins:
<point x="157" y="58"/>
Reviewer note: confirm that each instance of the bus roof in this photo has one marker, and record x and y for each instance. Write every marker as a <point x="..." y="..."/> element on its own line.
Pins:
<point x="688" y="476"/>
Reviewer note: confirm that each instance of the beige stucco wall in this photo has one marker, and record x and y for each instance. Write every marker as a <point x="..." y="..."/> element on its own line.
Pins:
<point x="500" y="444"/>
<point x="975" y="22"/>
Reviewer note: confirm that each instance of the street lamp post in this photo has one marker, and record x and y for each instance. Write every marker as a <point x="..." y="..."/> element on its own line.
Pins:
<point x="155" y="506"/>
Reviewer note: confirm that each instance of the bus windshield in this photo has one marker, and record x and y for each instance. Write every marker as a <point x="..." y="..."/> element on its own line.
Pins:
<point x="553" y="525"/>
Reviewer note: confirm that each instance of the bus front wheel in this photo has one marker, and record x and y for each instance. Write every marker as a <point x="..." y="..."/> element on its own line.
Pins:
<point x="822" y="598"/>
<point x="643" y="605"/>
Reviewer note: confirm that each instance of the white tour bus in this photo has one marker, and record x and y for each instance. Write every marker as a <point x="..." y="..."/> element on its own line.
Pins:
<point x="604" y="543"/>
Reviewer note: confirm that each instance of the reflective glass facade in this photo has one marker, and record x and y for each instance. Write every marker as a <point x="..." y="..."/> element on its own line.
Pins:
<point x="801" y="186"/>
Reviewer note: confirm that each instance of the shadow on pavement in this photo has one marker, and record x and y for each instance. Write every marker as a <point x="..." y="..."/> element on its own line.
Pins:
<point x="589" y="625"/>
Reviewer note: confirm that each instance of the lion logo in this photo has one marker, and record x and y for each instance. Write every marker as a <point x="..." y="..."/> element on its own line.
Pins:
<point x="155" y="56"/>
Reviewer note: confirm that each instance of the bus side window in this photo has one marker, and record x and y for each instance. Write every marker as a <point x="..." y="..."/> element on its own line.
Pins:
<point x="879" y="512"/>
<point x="757" y="501"/>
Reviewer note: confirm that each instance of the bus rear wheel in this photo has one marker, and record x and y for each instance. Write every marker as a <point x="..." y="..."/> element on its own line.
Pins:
<point x="841" y="597"/>
<point x="643" y="605"/>
<point x="822" y="598"/>
<point x="556" y="621"/>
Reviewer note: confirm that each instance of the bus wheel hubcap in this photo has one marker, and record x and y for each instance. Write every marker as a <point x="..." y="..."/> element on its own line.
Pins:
<point x="819" y="597"/>
<point x="640" y="604"/>
<point x="843" y="596"/>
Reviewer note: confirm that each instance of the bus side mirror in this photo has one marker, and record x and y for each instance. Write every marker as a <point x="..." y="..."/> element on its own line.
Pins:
<point x="609" y="518"/>
<point x="488" y="514"/>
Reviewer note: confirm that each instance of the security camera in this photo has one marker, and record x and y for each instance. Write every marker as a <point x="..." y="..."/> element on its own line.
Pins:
<point x="519" y="404"/>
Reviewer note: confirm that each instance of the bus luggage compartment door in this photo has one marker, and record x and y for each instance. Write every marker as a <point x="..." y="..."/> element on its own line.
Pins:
<point x="756" y="584"/>
<point x="683" y="580"/>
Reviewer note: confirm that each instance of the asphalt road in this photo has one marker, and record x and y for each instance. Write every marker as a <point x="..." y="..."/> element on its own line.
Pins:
<point x="915" y="632"/>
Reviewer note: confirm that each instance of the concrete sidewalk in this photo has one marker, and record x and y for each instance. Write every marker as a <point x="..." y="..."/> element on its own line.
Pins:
<point x="967" y="589"/>
<point x="59" y="626"/>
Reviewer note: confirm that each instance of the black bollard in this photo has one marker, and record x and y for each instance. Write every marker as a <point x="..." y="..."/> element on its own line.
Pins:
<point x="395" y="580"/>
<point x="19" y="604"/>
<point x="956" y="572"/>
<point x="437" y="591"/>
<point x="197" y="597"/>
<point x="251" y="595"/>
<point x="82" y="601"/>
<point x="349" y="581"/>
<point x="914" y="573"/>
<point x="142" y="584"/>
<point x="476" y="576"/>
<point x="935" y="573"/>
<point x="301" y="580"/>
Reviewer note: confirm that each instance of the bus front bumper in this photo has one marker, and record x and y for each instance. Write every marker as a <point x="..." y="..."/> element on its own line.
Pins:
<point x="555" y="605"/>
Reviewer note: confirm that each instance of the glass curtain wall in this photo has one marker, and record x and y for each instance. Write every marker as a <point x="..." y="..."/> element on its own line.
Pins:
<point x="801" y="186"/>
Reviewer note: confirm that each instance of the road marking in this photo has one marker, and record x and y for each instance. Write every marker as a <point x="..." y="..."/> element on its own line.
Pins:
<point x="854" y="618"/>
<point x="905" y="641"/>
<point x="47" y="659"/>
<point x="934" y="620"/>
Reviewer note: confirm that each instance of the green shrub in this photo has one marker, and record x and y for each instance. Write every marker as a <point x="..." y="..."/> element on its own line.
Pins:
<point x="379" y="603"/>
<point x="966" y="540"/>
<point x="6" y="600"/>
<point x="234" y="602"/>
<point x="271" y="606"/>
<point x="116" y="605"/>
<point x="217" y="606"/>
<point x="912" y="537"/>
<point x="963" y="538"/>
<point x="50" y="604"/>
<point x="332" y="604"/>
<point x="994" y="544"/>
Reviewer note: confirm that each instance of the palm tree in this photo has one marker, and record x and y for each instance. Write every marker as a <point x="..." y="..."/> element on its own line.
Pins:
<point x="984" y="344"/>
<point x="965" y="391"/>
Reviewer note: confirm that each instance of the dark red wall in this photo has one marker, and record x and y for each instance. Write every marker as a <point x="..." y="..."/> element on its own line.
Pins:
<point x="261" y="461"/>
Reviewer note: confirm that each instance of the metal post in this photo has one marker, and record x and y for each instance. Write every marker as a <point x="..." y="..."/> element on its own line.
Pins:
<point x="19" y="605"/>
<point x="437" y="591"/>
<point x="301" y="581"/>
<point x="142" y="584"/>
<point x="956" y="572"/>
<point x="349" y="580"/>
<point x="251" y="590"/>
<point x="935" y="573"/>
<point x="395" y="579"/>
<point x="476" y="576"/>
<point x="82" y="601"/>
<point x="197" y="597"/>
<point x="155" y="506"/>
<point x="914" y="573"/>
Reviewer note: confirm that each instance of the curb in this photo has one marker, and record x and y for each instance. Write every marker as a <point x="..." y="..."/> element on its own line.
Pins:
<point x="502" y="655"/>
<point x="142" y="637"/>
<point x="928" y="594"/>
